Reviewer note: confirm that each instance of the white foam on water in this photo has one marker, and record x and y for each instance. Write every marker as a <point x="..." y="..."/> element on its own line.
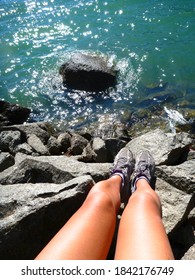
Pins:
<point x="174" y="117"/>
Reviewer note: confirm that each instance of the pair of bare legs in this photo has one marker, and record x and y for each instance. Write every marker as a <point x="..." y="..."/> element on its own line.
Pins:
<point x="89" y="232"/>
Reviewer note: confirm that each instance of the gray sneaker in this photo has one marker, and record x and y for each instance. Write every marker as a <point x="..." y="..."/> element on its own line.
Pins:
<point x="123" y="166"/>
<point x="144" y="169"/>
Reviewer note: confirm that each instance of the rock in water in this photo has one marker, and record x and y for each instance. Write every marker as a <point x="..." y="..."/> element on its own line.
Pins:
<point x="87" y="72"/>
<point x="12" y="113"/>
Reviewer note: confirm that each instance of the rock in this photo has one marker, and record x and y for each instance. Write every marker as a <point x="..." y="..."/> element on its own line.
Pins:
<point x="35" y="171"/>
<point x="85" y="134"/>
<point x="32" y="213"/>
<point x="181" y="176"/>
<point x="24" y="148"/>
<point x="37" y="145"/>
<point x="9" y="140"/>
<point x="6" y="160"/>
<point x="191" y="155"/>
<point x="78" y="143"/>
<point x="53" y="146"/>
<point x="166" y="148"/>
<point x="192" y="213"/>
<point x="28" y="129"/>
<point x="88" y="154"/>
<point x="190" y="255"/>
<point x="182" y="239"/>
<point x="154" y="88"/>
<point x="160" y="98"/>
<point x="88" y="73"/>
<point x="107" y="127"/>
<point x="176" y="204"/>
<point x="12" y="113"/>
<point x="54" y="169"/>
<point x="177" y="207"/>
<point x="99" y="147"/>
<point x="113" y="146"/>
<point x="64" y="139"/>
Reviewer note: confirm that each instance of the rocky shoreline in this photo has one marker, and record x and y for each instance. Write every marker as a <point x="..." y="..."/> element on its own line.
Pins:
<point x="46" y="174"/>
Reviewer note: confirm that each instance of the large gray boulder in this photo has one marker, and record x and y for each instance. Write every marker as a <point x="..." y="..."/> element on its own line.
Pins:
<point x="88" y="72"/>
<point x="78" y="143"/>
<point x="24" y="148"/>
<point x="99" y="147"/>
<point x="166" y="148"/>
<point x="178" y="217"/>
<point x="34" y="171"/>
<point x="181" y="176"/>
<point x="32" y="213"/>
<point x="64" y="139"/>
<point x="53" y="169"/>
<point x="176" y="204"/>
<point x="37" y="145"/>
<point x="54" y="147"/>
<point x="9" y="140"/>
<point x="6" y="160"/>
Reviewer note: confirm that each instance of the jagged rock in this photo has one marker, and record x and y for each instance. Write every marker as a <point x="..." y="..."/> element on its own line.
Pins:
<point x="78" y="143"/>
<point x="53" y="167"/>
<point x="35" y="171"/>
<point x="113" y="146"/>
<point x="181" y="176"/>
<point x="32" y="213"/>
<point x="53" y="146"/>
<point x="9" y="140"/>
<point x="191" y="155"/>
<point x="176" y="212"/>
<point x="12" y="113"/>
<point x="192" y="214"/>
<point x="28" y="129"/>
<point x="176" y="204"/>
<point x="107" y="127"/>
<point x="191" y="220"/>
<point x="37" y="145"/>
<point x="24" y="148"/>
<point x="99" y="147"/>
<point x="64" y="139"/>
<point x="166" y="148"/>
<point x="6" y="160"/>
<point x="182" y="239"/>
<point x="88" y="154"/>
<point x="88" y="73"/>
<point x="84" y="133"/>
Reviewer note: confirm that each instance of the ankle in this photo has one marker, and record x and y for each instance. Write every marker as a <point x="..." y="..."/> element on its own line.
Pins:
<point x="142" y="182"/>
<point x="116" y="179"/>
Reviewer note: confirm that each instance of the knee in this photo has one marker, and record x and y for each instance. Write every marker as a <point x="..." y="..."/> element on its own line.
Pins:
<point x="145" y="198"/>
<point x="100" y="198"/>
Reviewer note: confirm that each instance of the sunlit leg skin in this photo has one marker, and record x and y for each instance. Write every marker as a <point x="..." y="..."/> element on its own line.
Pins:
<point x="89" y="232"/>
<point x="141" y="232"/>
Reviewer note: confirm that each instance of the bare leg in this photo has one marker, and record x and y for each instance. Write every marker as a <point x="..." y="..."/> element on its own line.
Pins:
<point x="89" y="232"/>
<point x="141" y="231"/>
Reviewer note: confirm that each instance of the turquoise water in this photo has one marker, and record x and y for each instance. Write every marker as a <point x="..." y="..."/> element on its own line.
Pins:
<point x="151" y="42"/>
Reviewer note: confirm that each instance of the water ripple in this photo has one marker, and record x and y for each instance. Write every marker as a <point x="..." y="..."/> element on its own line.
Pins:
<point x="151" y="44"/>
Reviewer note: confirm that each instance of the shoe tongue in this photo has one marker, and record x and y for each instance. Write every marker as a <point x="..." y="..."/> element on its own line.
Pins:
<point x="122" y="160"/>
